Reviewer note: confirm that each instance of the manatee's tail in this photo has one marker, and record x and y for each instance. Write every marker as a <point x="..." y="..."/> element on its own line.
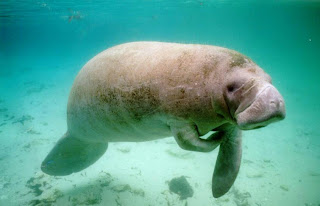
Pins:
<point x="71" y="155"/>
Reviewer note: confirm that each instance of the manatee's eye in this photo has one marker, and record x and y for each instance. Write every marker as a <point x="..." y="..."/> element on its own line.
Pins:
<point x="233" y="87"/>
<point x="230" y="88"/>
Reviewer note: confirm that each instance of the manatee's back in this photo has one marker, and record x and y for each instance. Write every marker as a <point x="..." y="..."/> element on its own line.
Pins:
<point x="127" y="85"/>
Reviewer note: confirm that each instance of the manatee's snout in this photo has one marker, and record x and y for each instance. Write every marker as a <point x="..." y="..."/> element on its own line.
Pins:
<point x="267" y="107"/>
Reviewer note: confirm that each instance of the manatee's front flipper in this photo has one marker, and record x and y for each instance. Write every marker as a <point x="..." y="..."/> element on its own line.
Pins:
<point x="228" y="161"/>
<point x="71" y="155"/>
<point x="187" y="138"/>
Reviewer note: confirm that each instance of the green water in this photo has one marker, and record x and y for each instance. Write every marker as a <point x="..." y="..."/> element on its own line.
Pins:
<point x="43" y="45"/>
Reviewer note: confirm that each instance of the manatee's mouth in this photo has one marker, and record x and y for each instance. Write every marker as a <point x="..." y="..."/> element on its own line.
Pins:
<point x="248" y="103"/>
<point x="267" y="107"/>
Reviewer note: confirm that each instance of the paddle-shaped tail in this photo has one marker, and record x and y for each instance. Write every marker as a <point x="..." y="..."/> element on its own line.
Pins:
<point x="71" y="154"/>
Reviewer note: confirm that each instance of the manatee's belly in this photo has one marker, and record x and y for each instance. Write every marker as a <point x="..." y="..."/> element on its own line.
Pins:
<point x="100" y="124"/>
<point x="130" y="131"/>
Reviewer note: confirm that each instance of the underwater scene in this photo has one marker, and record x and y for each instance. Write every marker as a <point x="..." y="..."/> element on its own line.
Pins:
<point x="126" y="136"/>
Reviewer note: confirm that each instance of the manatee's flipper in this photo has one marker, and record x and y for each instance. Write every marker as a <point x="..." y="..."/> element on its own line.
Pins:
<point x="71" y="155"/>
<point x="228" y="162"/>
<point x="187" y="137"/>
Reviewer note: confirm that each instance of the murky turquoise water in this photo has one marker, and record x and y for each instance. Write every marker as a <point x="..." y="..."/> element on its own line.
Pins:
<point x="43" y="45"/>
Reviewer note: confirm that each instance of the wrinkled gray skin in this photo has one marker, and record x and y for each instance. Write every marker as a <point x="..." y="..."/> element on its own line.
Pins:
<point x="150" y="90"/>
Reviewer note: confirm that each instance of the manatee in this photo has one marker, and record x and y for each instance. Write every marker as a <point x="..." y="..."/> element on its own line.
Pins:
<point x="144" y="91"/>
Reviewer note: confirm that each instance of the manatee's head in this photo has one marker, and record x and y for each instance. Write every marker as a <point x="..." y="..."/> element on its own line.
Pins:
<point x="252" y="100"/>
